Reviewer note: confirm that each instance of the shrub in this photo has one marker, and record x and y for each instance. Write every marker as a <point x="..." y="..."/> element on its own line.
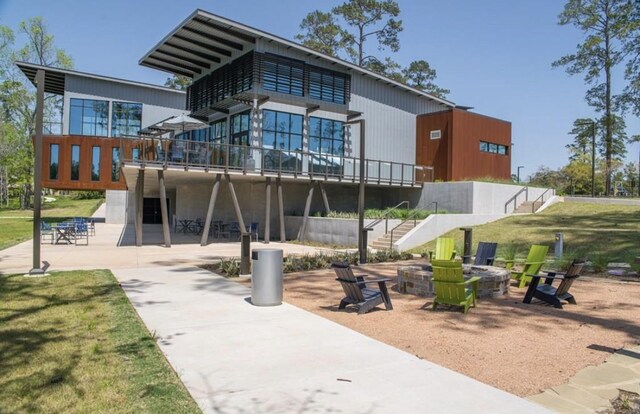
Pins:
<point x="600" y="261"/>
<point x="231" y="267"/>
<point x="86" y="195"/>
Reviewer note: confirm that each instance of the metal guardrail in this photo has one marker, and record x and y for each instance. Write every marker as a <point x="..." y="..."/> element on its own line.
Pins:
<point x="246" y="159"/>
<point x="385" y="217"/>
<point x="409" y="217"/>
<point x="540" y="200"/>
<point x="514" y="199"/>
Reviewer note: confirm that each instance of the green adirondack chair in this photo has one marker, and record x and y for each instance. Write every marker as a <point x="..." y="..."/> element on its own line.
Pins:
<point x="444" y="249"/>
<point x="450" y="286"/>
<point x="532" y="265"/>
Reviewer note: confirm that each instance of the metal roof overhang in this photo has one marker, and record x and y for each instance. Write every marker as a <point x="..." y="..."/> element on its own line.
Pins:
<point x="199" y="44"/>
<point x="204" y="41"/>
<point x="53" y="79"/>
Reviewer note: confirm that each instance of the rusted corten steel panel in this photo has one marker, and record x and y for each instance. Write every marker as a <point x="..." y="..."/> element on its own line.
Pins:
<point x="456" y="155"/>
<point x="86" y="143"/>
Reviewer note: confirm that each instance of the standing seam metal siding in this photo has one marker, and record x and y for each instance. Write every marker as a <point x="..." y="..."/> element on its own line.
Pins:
<point x="390" y="115"/>
<point x="156" y="104"/>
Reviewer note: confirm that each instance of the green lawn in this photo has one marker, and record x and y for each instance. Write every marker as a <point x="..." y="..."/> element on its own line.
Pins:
<point x="609" y="231"/>
<point x="17" y="225"/>
<point x="72" y="342"/>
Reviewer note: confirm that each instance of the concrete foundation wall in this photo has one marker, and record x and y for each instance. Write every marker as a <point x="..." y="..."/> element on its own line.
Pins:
<point x="437" y="224"/>
<point x="343" y="232"/>
<point x="116" y="206"/>
<point x="474" y="197"/>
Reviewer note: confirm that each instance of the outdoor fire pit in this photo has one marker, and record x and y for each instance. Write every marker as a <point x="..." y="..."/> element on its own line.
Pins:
<point x="417" y="280"/>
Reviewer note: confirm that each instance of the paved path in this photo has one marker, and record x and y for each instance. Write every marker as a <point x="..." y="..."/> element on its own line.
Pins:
<point x="236" y="357"/>
<point x="592" y="388"/>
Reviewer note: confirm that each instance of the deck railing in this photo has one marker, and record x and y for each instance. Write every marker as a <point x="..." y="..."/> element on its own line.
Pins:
<point x="223" y="157"/>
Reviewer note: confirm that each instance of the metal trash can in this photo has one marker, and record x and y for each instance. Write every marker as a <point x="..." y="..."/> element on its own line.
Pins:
<point x="266" y="278"/>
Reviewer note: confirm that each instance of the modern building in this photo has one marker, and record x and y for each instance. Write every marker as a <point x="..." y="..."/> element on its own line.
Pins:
<point x="271" y="110"/>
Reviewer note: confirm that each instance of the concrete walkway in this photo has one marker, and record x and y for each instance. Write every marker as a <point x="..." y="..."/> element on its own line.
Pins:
<point x="592" y="388"/>
<point x="236" y="357"/>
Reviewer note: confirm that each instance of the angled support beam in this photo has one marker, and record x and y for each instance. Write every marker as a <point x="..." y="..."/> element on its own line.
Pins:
<point x="163" y="210"/>
<point x="283" y="234"/>
<point x="139" y="201"/>
<point x="307" y="208"/>
<point x="212" y="203"/>
<point x="267" y="211"/>
<point x="325" y="199"/>
<point x="236" y="206"/>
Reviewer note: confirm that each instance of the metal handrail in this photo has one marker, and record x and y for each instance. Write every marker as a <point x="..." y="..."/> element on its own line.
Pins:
<point x="541" y="198"/>
<point x="515" y="197"/>
<point x="385" y="217"/>
<point x="409" y="217"/>
<point x="165" y="153"/>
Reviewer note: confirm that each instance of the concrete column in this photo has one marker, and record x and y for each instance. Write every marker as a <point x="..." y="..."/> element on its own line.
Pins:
<point x="283" y="234"/>
<point x="307" y="208"/>
<point x="325" y="200"/>
<point x="267" y="211"/>
<point x="139" y="202"/>
<point x="163" y="210"/>
<point x="236" y="205"/>
<point x="212" y="204"/>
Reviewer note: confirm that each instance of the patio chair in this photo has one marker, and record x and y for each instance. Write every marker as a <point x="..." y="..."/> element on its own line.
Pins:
<point x="486" y="254"/>
<point x="235" y="229"/>
<point x="253" y="230"/>
<point x="532" y="265"/>
<point x="552" y="295"/>
<point x="81" y="232"/>
<point x="451" y="288"/>
<point x="444" y="249"/>
<point x="46" y="231"/>
<point x="356" y="290"/>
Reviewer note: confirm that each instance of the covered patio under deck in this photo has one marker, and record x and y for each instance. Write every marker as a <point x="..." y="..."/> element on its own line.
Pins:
<point x="169" y="195"/>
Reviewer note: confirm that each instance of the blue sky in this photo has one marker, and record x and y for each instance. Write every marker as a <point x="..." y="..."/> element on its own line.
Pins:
<point x="494" y="55"/>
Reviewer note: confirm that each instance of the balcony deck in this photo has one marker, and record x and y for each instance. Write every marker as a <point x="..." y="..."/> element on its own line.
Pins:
<point x="211" y="157"/>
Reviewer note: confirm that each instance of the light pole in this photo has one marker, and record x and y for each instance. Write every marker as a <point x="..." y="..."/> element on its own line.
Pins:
<point x="593" y="154"/>
<point x="362" y="247"/>
<point x="519" y="167"/>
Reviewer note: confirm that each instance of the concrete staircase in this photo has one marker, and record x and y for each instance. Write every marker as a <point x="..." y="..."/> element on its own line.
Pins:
<point x="528" y="207"/>
<point x="384" y="242"/>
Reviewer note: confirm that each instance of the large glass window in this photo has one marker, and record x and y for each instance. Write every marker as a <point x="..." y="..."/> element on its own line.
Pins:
<point x="281" y="130"/>
<point x="240" y="132"/>
<point x="218" y="137"/>
<point x="95" y="164"/>
<point x="54" y="156"/>
<point x="115" y="164"/>
<point x="88" y="117"/>
<point x="283" y="75"/>
<point x="126" y="119"/>
<point x="327" y="85"/>
<point x="75" y="162"/>
<point x="326" y="136"/>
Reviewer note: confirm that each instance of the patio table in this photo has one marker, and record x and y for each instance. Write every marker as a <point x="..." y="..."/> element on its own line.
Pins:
<point x="185" y="225"/>
<point x="64" y="233"/>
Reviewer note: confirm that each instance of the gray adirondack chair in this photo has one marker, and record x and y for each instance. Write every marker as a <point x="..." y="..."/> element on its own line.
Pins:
<point x="486" y="254"/>
<point x="356" y="290"/>
<point x="555" y="295"/>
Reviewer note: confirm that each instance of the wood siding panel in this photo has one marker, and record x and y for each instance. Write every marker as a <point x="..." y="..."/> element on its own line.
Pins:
<point x="435" y="152"/>
<point x="456" y="156"/>
<point x="468" y="162"/>
<point x="86" y="144"/>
